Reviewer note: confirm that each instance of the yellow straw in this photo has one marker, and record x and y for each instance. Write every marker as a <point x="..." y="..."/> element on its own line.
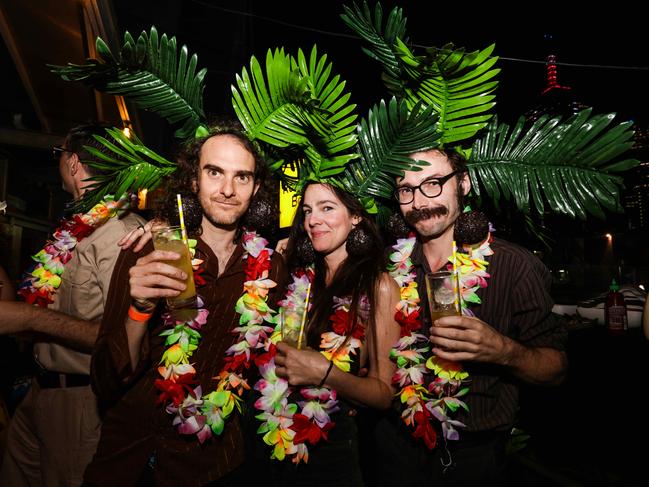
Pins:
<point x="306" y="312"/>
<point x="182" y="219"/>
<point x="456" y="280"/>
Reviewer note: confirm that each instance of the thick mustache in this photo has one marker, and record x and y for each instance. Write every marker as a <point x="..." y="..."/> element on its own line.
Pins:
<point x="416" y="215"/>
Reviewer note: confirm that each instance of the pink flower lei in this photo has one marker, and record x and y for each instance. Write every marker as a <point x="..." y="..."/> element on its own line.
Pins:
<point x="288" y="426"/>
<point x="42" y="281"/>
<point x="201" y="414"/>
<point x="430" y="388"/>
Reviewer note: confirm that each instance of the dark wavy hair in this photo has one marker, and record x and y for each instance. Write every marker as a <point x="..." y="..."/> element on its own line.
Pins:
<point x="185" y="178"/>
<point x="357" y="276"/>
<point x="83" y="135"/>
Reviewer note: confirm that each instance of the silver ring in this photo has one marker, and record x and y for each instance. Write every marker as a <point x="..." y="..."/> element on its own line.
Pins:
<point x="142" y="227"/>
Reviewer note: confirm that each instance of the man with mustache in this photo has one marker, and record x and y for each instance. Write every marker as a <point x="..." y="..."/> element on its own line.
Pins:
<point x="513" y="337"/>
<point x="140" y="442"/>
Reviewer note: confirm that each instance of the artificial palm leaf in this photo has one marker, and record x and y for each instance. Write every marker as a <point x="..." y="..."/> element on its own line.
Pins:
<point x="150" y="72"/>
<point x="125" y="165"/>
<point x="295" y="105"/>
<point x="332" y="151"/>
<point x="381" y="40"/>
<point x="386" y="139"/>
<point x="458" y="84"/>
<point x="570" y="165"/>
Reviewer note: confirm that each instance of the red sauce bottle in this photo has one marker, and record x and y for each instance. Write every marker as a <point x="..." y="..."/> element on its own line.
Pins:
<point x="615" y="311"/>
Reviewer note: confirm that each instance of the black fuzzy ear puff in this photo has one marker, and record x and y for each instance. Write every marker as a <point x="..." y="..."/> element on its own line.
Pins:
<point x="305" y="251"/>
<point x="397" y="226"/>
<point x="471" y="228"/>
<point x="192" y="211"/>
<point x="262" y="216"/>
<point x="359" y="242"/>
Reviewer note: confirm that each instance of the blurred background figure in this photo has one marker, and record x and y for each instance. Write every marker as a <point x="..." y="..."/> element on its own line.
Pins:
<point x="55" y="429"/>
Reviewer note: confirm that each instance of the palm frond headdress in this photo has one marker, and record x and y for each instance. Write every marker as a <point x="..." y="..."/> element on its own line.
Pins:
<point x="301" y="116"/>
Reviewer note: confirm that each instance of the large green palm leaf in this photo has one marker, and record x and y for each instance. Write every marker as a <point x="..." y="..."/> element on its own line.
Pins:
<point x="150" y="72"/>
<point x="457" y="84"/>
<point x="381" y="40"/>
<point x="295" y="105"/>
<point x="125" y="165"/>
<point x="386" y="139"/>
<point x="570" y="165"/>
<point x="332" y="152"/>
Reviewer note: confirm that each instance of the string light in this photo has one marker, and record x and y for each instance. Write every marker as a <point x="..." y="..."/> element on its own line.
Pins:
<point x="127" y="127"/>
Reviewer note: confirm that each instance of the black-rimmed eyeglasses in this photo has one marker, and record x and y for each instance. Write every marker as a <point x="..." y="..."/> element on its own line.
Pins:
<point x="57" y="150"/>
<point x="431" y="188"/>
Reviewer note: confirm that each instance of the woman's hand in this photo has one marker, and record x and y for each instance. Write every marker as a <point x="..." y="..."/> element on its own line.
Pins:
<point x="281" y="246"/>
<point x="300" y="367"/>
<point x="142" y="232"/>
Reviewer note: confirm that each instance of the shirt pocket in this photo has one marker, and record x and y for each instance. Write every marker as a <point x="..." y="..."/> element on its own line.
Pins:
<point x="78" y="291"/>
<point x="79" y="276"/>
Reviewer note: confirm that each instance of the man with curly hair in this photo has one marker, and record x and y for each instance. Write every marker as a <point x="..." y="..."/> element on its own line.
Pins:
<point x="219" y="175"/>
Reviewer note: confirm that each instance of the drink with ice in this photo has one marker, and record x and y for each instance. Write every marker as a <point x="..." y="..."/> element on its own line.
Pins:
<point x="443" y="292"/>
<point x="170" y="239"/>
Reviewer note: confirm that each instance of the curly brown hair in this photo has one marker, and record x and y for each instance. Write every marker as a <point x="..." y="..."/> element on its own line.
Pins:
<point x="185" y="178"/>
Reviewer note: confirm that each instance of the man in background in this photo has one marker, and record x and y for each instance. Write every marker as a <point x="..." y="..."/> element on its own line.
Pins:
<point x="54" y="432"/>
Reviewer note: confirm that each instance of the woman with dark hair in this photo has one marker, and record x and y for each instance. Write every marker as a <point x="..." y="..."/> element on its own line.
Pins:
<point x="335" y="255"/>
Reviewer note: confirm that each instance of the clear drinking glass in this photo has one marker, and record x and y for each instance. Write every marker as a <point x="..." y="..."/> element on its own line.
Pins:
<point x="443" y="291"/>
<point x="170" y="238"/>
<point x="292" y="329"/>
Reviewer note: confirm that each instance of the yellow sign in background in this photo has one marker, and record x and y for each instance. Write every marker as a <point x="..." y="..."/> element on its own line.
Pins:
<point x="288" y="201"/>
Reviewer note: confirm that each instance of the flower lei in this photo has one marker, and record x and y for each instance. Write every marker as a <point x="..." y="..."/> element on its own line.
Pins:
<point x="288" y="426"/>
<point x="430" y="387"/>
<point x="41" y="282"/>
<point x="204" y="414"/>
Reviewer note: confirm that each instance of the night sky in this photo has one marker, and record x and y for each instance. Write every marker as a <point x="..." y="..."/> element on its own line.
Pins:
<point x="225" y="34"/>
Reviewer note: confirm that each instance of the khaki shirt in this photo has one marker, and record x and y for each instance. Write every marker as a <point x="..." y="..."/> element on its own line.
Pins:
<point x="84" y="289"/>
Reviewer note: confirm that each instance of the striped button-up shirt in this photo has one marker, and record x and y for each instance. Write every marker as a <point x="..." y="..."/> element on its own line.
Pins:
<point x="517" y="303"/>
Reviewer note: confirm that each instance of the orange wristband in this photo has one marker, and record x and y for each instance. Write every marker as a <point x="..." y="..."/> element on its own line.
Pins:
<point x="136" y="315"/>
